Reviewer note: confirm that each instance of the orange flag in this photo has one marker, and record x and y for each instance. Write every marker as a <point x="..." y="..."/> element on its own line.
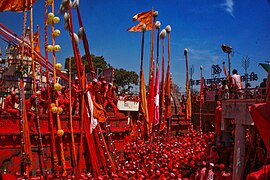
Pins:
<point x="143" y="103"/>
<point x="143" y="18"/>
<point x="16" y="5"/>
<point x="37" y="41"/>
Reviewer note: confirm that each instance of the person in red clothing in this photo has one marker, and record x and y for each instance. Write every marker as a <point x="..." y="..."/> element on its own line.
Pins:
<point x="218" y="113"/>
<point x="110" y="98"/>
<point x="103" y="90"/>
<point x="76" y="95"/>
<point x="9" y="103"/>
<point x="30" y="105"/>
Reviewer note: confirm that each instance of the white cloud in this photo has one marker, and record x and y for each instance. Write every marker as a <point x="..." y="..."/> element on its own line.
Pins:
<point x="210" y="56"/>
<point x="228" y="6"/>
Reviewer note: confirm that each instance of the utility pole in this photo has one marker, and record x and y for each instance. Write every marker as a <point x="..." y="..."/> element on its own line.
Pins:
<point x="245" y="65"/>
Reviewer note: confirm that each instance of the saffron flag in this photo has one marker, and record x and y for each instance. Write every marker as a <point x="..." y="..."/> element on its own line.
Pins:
<point x="16" y="5"/>
<point x="37" y="41"/>
<point x="143" y="18"/>
<point x="156" y="119"/>
<point x="188" y="103"/>
<point x="143" y="103"/>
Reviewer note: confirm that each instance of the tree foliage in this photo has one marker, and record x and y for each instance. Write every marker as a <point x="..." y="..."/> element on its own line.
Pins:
<point x="125" y="79"/>
<point x="122" y="78"/>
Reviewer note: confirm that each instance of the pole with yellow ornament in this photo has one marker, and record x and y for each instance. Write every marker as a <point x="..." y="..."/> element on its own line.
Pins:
<point x="57" y="87"/>
<point x="51" y="124"/>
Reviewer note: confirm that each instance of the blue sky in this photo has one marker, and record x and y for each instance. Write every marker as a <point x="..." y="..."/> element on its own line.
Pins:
<point x="200" y="26"/>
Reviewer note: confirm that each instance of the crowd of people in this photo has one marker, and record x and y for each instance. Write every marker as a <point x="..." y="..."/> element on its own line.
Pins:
<point x="193" y="155"/>
<point x="101" y="92"/>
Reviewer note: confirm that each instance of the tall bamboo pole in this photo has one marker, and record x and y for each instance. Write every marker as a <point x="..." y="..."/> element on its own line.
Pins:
<point x="62" y="154"/>
<point x="74" y="156"/>
<point x="48" y="89"/>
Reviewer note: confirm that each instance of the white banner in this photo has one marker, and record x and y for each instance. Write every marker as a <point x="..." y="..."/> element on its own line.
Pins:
<point x="127" y="105"/>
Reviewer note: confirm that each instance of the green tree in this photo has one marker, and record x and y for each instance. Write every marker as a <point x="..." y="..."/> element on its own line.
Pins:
<point x="125" y="79"/>
<point x="122" y="78"/>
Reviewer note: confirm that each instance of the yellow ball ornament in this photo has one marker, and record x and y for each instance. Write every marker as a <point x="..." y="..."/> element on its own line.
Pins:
<point x="60" y="132"/>
<point x="56" y="32"/>
<point x="59" y="110"/>
<point x="50" y="47"/>
<point x="50" y="2"/>
<point x="58" y="66"/>
<point x="57" y="87"/>
<point x="56" y="48"/>
<point x="52" y="105"/>
<point x="49" y="21"/>
<point x="54" y="109"/>
<point x="56" y="19"/>
<point x="50" y="15"/>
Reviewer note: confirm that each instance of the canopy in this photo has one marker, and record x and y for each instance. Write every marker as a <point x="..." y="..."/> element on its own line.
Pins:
<point x="265" y="66"/>
<point x="261" y="116"/>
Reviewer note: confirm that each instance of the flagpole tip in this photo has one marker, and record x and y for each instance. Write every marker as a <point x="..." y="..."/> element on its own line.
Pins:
<point x="155" y="14"/>
<point x="143" y="27"/>
<point x="162" y="34"/>
<point x="168" y="29"/>
<point x="185" y="51"/>
<point x="158" y="24"/>
<point x="201" y="67"/>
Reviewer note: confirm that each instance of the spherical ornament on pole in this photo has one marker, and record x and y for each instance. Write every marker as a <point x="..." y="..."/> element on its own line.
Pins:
<point x="57" y="87"/>
<point x="60" y="132"/>
<point x="56" y="19"/>
<point x="56" y="32"/>
<point x="59" y="110"/>
<point x="162" y="34"/>
<point x="54" y="109"/>
<point x="143" y="27"/>
<point x="49" y="2"/>
<point x="185" y="51"/>
<point x="50" y="15"/>
<point x="58" y="66"/>
<point x="157" y="24"/>
<point x="155" y="14"/>
<point x="76" y="38"/>
<point x="53" y="105"/>
<point x="168" y="29"/>
<point x="50" y="48"/>
<point x="57" y="48"/>
<point x="81" y="32"/>
<point x="66" y="17"/>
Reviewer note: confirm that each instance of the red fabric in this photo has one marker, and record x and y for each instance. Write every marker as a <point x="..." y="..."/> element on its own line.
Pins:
<point x="261" y="116"/>
<point x="262" y="174"/>
<point x="218" y="113"/>
<point x="8" y="177"/>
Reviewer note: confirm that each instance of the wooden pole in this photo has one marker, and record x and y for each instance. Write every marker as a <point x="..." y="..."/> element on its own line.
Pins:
<point x="48" y="89"/>
<point x="74" y="156"/>
<point x="62" y="154"/>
